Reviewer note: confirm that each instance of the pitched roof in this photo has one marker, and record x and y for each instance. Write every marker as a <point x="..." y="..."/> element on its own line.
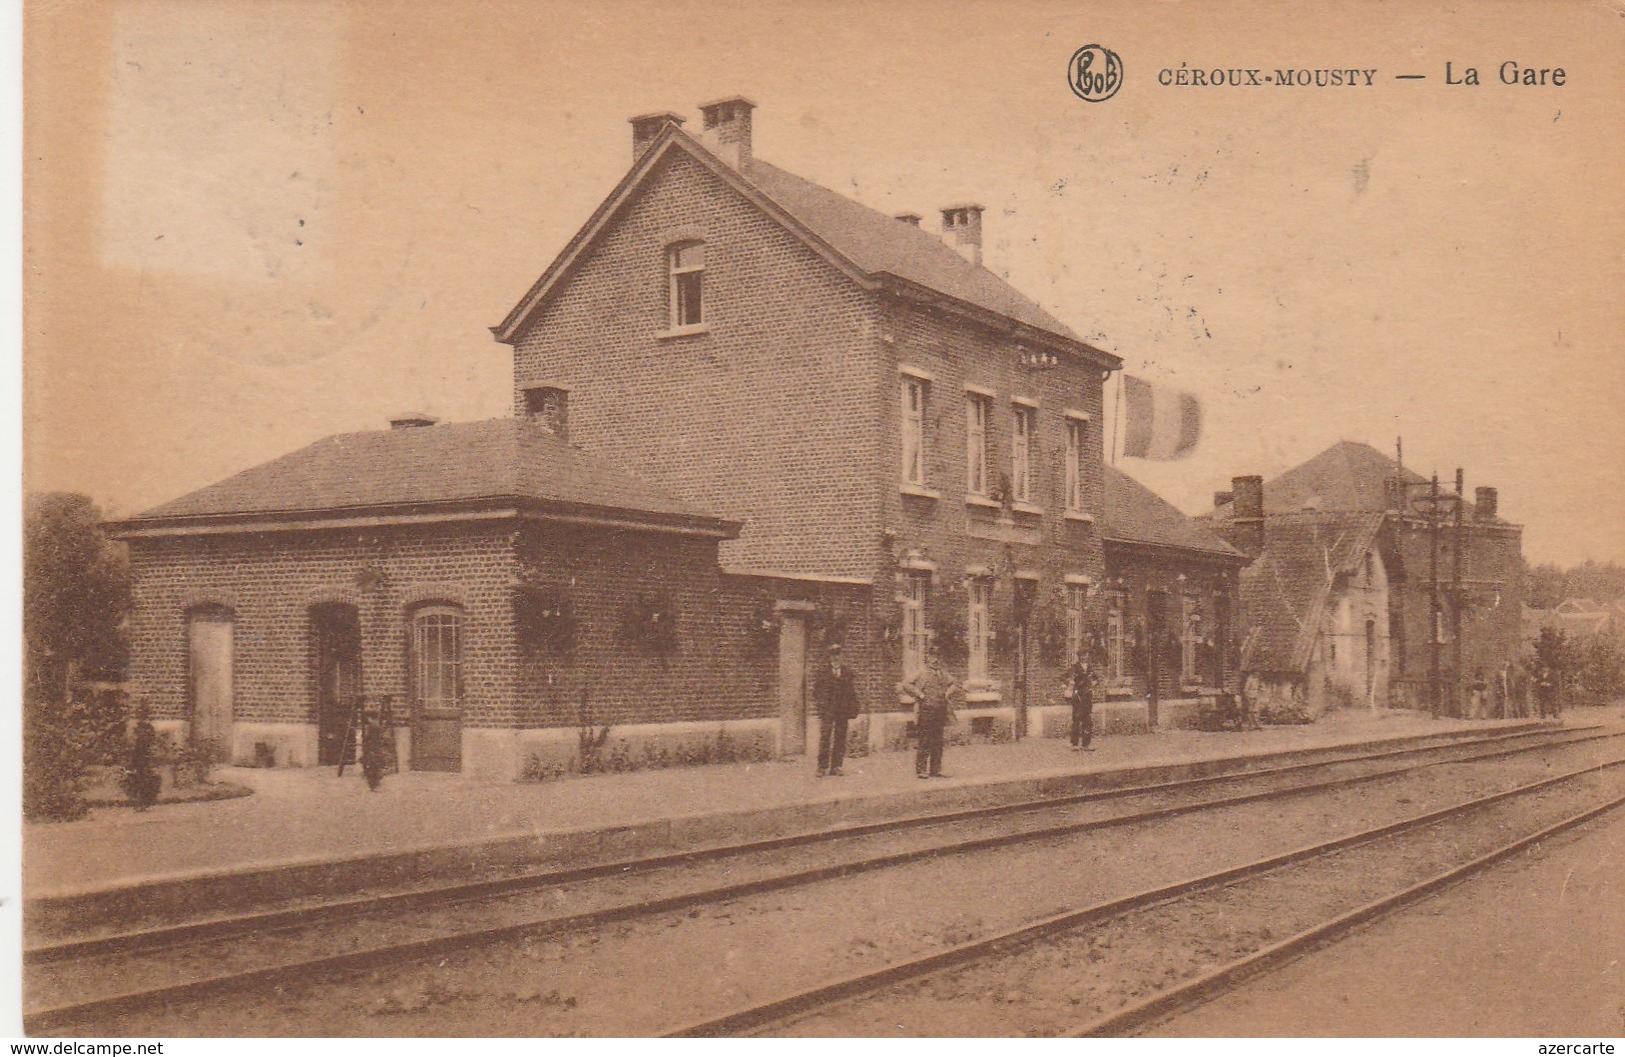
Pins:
<point x="883" y="245"/>
<point x="1132" y="513"/>
<point x="867" y="244"/>
<point x="504" y="461"/>
<point x="1285" y="592"/>
<point x="1348" y="476"/>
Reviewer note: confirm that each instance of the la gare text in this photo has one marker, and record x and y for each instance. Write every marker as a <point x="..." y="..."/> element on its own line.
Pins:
<point x="1510" y="73"/>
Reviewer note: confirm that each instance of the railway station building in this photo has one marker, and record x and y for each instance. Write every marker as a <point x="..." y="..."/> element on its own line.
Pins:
<point x="751" y="417"/>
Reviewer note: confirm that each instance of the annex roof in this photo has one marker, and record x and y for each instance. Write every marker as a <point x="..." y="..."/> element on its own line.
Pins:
<point x="870" y="246"/>
<point x="504" y="463"/>
<point x="1285" y="592"/>
<point x="1133" y="514"/>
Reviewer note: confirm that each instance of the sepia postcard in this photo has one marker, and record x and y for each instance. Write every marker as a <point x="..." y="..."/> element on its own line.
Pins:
<point x="674" y="518"/>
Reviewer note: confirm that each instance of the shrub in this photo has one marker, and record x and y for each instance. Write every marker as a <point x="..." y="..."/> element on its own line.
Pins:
<point x="1284" y="713"/>
<point x="56" y="738"/>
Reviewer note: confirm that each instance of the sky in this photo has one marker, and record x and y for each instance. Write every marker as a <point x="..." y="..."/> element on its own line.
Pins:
<point x="251" y="225"/>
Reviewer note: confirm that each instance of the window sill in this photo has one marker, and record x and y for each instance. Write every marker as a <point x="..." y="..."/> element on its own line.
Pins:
<point x="920" y="491"/>
<point x="683" y="332"/>
<point x="972" y="499"/>
<point x="983" y="697"/>
<point x="1080" y="515"/>
<point x="1026" y="508"/>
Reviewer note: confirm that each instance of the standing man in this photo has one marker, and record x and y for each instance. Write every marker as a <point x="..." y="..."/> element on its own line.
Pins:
<point x="1080" y="693"/>
<point x="935" y="695"/>
<point x="835" y="696"/>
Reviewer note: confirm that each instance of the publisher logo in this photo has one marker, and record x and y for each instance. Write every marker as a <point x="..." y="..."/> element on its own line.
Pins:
<point x="1095" y="73"/>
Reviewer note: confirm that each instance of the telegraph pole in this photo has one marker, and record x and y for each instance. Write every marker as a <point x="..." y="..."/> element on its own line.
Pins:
<point x="1455" y="598"/>
<point x="1433" y="597"/>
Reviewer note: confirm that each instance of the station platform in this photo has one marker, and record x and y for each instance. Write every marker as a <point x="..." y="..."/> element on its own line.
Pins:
<point x="309" y="832"/>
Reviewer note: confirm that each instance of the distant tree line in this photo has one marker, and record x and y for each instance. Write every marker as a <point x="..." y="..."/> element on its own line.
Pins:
<point x="1546" y="585"/>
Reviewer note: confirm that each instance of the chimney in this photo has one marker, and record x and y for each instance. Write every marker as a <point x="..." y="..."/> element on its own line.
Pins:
<point x="412" y="420"/>
<point x="548" y="406"/>
<point x="910" y="218"/>
<point x="1393" y="493"/>
<point x="1247" y="518"/>
<point x="962" y="229"/>
<point x="1223" y="498"/>
<point x="727" y="128"/>
<point x="1484" y="507"/>
<point x="645" y="127"/>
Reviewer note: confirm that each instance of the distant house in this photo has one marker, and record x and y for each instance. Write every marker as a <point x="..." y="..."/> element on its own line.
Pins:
<point x="1356" y="595"/>
<point x="1578" y="618"/>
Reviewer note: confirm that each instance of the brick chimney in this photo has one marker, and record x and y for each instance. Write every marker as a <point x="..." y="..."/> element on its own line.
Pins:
<point x="1247" y="517"/>
<point x="645" y="127"/>
<point x="910" y="218"/>
<point x="412" y="420"/>
<point x="1223" y="498"/>
<point x="548" y="406"/>
<point x="962" y="229"/>
<point x="1486" y="503"/>
<point x="727" y="128"/>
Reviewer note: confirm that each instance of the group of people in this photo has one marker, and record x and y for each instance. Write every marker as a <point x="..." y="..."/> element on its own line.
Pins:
<point x="935" y="695"/>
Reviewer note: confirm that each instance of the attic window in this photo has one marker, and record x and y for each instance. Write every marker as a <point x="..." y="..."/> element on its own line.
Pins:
<point x="687" y="266"/>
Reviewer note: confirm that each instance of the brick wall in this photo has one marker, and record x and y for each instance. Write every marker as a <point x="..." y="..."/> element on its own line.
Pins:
<point x="1134" y="571"/>
<point x="715" y="669"/>
<point x="270" y="581"/>
<point x="955" y="352"/>
<point x="1492" y="572"/>
<point x="765" y="417"/>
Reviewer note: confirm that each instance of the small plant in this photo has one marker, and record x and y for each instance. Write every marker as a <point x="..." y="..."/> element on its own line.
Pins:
<point x="141" y="780"/>
<point x="373" y="733"/>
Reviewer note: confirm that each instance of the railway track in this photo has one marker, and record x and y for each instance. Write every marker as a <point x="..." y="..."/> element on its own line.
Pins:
<point x="283" y="959"/>
<point x="877" y="997"/>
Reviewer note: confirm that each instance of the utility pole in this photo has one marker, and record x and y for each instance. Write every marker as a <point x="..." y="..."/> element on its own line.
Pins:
<point x="1455" y="598"/>
<point x="1433" y="597"/>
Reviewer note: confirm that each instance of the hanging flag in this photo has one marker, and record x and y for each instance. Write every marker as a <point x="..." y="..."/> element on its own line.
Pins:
<point x="1158" y="423"/>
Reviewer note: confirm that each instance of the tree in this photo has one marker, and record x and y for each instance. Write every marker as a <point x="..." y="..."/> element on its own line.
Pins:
<point x="76" y="595"/>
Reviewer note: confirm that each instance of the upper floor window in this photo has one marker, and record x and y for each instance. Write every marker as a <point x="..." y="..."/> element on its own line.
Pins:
<point x="1023" y="431"/>
<point x="687" y="265"/>
<point x="1075" y="436"/>
<point x="437" y="657"/>
<point x="978" y="416"/>
<point x="913" y="412"/>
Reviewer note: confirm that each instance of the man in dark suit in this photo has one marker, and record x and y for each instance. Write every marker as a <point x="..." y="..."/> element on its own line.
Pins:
<point x="835" y="697"/>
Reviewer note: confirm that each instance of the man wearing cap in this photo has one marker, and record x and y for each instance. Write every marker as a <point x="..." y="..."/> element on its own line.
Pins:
<point x="835" y="697"/>
<point x="935" y="694"/>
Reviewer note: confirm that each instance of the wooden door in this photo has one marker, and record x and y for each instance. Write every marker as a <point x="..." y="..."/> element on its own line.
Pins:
<point x="337" y="630"/>
<point x="792" y="684"/>
<point x="209" y="650"/>
<point x="437" y="689"/>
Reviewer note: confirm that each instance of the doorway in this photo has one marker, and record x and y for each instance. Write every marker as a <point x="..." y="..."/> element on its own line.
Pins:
<point x="336" y="629"/>
<point x="792" y="683"/>
<point x="209" y="658"/>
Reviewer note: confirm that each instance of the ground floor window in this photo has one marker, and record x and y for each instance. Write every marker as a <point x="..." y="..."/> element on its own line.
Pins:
<point x="1115" y="672"/>
<point x="915" y="633"/>
<point x="1076" y="595"/>
<point x="437" y="657"/>
<point x="977" y="629"/>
